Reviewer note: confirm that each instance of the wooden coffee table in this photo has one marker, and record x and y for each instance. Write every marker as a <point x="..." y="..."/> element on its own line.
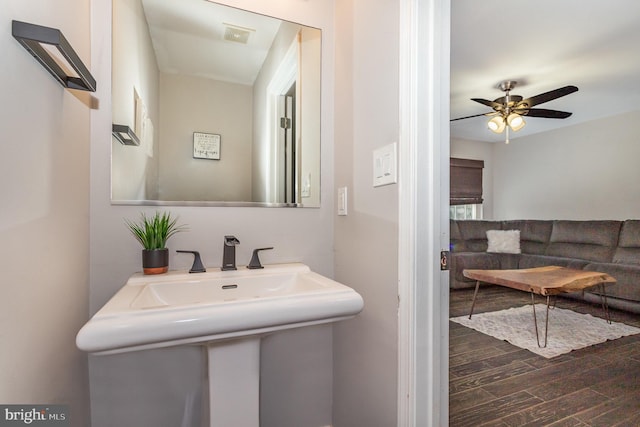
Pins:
<point x="546" y="281"/>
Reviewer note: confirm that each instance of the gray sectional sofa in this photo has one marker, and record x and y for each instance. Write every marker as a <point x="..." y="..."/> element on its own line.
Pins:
<point x="611" y="247"/>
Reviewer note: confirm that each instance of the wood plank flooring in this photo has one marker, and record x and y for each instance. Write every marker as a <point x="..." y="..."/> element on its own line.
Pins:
<point x="493" y="383"/>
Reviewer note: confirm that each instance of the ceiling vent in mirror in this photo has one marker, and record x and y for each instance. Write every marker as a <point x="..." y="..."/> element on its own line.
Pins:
<point x="234" y="33"/>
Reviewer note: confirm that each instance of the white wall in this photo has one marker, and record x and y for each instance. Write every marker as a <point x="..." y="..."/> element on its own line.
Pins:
<point x="366" y="241"/>
<point x="135" y="168"/>
<point x="44" y="188"/>
<point x="145" y="389"/>
<point x="194" y="104"/>
<point x="582" y="172"/>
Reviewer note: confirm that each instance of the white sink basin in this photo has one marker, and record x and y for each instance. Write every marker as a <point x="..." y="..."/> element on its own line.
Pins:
<point x="181" y="308"/>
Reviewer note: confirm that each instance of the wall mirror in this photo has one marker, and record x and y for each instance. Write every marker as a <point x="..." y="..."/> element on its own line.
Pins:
<point x="224" y="105"/>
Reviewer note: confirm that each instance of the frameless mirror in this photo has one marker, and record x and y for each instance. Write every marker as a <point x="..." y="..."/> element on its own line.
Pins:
<point x="224" y="105"/>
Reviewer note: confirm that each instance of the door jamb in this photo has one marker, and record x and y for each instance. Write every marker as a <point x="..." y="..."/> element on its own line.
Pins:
<point x="423" y="290"/>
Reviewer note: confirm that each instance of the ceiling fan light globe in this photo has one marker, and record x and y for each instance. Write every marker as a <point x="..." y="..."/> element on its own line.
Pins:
<point x="515" y="121"/>
<point x="496" y="124"/>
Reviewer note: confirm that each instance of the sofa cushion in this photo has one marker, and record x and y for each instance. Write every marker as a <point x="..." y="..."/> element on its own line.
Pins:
<point x="611" y="247"/>
<point x="589" y="240"/>
<point x="503" y="241"/>
<point x="534" y="234"/>
<point x="628" y="277"/>
<point x="474" y="233"/>
<point x="509" y="261"/>
<point x="531" y="261"/>
<point x="456" y="242"/>
<point x="472" y="260"/>
<point x="628" y="250"/>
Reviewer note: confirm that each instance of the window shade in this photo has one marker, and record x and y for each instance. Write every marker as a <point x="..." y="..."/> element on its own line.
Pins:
<point x="465" y="181"/>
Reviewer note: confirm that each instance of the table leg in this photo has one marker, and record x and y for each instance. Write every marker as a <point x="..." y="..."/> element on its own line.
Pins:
<point x="605" y="305"/>
<point x="535" y="321"/>
<point x="473" y="303"/>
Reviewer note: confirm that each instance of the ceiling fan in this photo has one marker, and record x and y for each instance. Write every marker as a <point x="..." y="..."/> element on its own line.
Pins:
<point x="508" y="110"/>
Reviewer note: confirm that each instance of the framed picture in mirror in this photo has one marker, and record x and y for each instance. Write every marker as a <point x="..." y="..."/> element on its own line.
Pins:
<point x="206" y="146"/>
<point x="193" y="89"/>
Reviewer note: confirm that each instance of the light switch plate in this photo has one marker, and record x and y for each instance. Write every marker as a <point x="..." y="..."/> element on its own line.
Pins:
<point x="385" y="169"/>
<point x="342" y="201"/>
<point x="306" y="186"/>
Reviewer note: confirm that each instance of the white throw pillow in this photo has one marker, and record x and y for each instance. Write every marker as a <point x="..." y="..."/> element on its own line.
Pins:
<point x="504" y="241"/>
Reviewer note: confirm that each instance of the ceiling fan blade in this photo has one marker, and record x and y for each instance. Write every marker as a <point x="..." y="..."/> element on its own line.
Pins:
<point x="546" y="97"/>
<point x="542" y="112"/>
<point x="475" y="115"/>
<point x="488" y="103"/>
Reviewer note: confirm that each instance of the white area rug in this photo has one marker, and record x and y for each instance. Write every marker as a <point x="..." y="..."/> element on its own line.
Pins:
<point x="568" y="330"/>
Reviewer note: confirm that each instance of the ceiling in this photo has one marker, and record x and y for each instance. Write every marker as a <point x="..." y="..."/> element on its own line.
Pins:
<point x="544" y="45"/>
<point x="188" y="38"/>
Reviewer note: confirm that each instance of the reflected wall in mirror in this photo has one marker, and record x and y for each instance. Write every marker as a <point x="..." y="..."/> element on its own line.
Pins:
<point x="250" y="81"/>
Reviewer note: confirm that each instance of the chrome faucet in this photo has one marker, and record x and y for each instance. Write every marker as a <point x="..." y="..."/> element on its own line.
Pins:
<point x="229" y="253"/>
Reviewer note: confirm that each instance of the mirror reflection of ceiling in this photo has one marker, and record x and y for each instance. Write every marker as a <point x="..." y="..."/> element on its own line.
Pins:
<point x="196" y="67"/>
<point x="189" y="38"/>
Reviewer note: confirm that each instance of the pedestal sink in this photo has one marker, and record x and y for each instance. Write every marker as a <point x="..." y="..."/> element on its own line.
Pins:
<point x="226" y="311"/>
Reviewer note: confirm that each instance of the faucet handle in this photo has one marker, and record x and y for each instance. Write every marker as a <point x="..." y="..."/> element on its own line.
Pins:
<point x="255" y="260"/>
<point x="197" y="266"/>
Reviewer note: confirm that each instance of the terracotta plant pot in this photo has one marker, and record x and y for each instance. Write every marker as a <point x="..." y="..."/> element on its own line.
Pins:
<point x="155" y="261"/>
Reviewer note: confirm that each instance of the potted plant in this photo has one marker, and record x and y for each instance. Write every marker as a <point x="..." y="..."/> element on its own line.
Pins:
<point x="153" y="233"/>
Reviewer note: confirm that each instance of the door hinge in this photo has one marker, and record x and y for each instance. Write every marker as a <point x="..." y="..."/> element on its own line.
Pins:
<point x="444" y="260"/>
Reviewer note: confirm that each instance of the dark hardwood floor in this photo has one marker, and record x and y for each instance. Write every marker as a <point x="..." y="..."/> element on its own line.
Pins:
<point x="493" y="383"/>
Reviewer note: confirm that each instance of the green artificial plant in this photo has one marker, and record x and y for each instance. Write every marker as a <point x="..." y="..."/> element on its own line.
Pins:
<point x="153" y="232"/>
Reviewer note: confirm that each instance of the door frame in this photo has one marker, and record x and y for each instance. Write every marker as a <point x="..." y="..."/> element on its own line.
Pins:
<point x="286" y="75"/>
<point x="423" y="289"/>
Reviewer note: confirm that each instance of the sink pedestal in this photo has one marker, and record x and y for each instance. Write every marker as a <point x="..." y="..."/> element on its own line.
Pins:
<point x="225" y="312"/>
<point x="234" y="382"/>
